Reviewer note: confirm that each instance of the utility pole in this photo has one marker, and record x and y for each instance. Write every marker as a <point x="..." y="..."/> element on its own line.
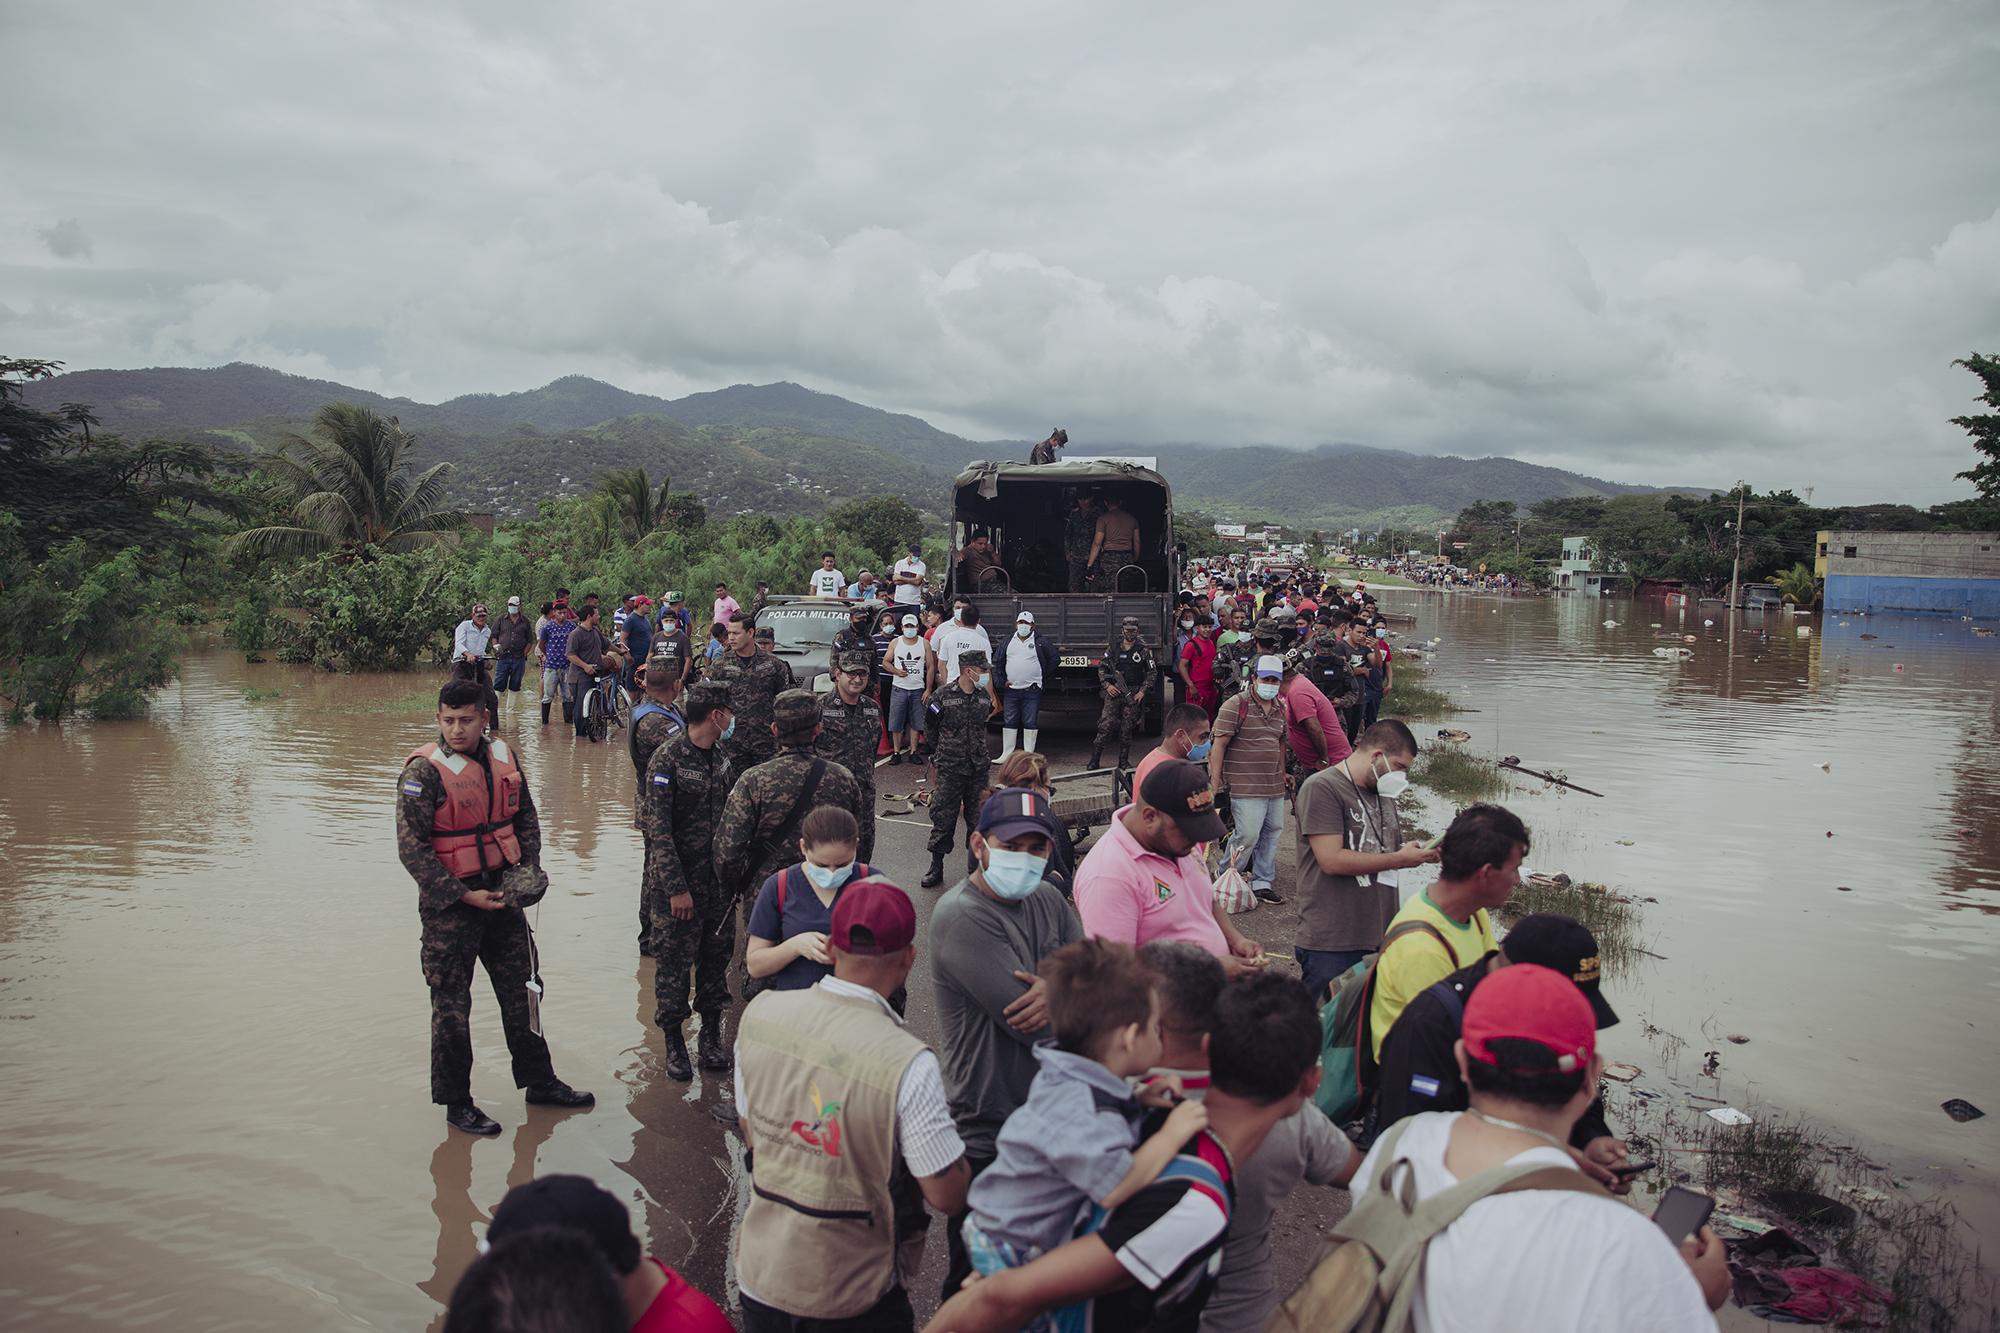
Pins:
<point x="1736" y="566"/>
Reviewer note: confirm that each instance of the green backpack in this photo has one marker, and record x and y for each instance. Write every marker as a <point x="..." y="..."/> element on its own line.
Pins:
<point x="1366" y="1277"/>
<point x="1347" y="1041"/>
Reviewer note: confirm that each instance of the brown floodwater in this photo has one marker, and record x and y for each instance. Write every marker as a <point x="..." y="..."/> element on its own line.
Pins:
<point x="216" y="1030"/>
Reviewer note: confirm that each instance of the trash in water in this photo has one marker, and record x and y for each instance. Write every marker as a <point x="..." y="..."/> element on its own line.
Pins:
<point x="1689" y="638"/>
<point x="1656" y="625"/>
<point x="1647" y="1094"/>
<point x="1707" y="623"/>
<point x="1729" y="1115"/>
<point x="1866" y="1197"/>
<point x="1805" y="631"/>
<point x="1899" y="666"/>
<point x="1842" y="888"/>
<point x="1749" y="1226"/>
<point x="1453" y="734"/>
<point x="1829" y="833"/>
<point x="1962" y="1110"/>
<point x="1679" y="654"/>
<point x="1711" y="1061"/>
<point x="1739" y="1039"/>
<point x="1825" y="767"/>
<point x="1611" y="624"/>
<point x="1871" y="636"/>
<point x="1625" y="842"/>
<point x="1622" y="1073"/>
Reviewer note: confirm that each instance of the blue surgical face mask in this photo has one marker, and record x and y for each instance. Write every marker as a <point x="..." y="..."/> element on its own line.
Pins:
<point x="1200" y="752"/>
<point x="729" y="730"/>
<point x="827" y="877"/>
<point x="1013" y="875"/>
<point x="1266" y="691"/>
<point x="979" y="682"/>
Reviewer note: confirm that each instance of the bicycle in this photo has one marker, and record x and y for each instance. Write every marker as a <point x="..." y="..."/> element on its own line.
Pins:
<point x="605" y="704"/>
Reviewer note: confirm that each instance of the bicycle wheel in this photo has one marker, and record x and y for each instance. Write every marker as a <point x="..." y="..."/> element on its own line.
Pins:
<point x="618" y="706"/>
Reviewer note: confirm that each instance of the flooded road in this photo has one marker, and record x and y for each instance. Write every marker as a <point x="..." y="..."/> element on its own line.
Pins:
<point x="1726" y="773"/>
<point x="216" y="1031"/>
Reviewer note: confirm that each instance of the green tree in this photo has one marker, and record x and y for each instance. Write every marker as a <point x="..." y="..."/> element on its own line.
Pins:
<point x="349" y="488"/>
<point x="1984" y="427"/>
<point x="1798" y="586"/>
<point x="376" y="610"/>
<point x="82" y="630"/>
<point x="634" y="506"/>
<point x="885" y="524"/>
<point x="1639" y="535"/>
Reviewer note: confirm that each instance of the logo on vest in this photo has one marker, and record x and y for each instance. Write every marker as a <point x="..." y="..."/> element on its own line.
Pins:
<point x="1162" y="890"/>
<point x="823" y="1132"/>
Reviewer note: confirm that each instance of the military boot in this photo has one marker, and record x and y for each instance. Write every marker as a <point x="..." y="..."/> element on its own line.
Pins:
<point x="559" y="1093"/>
<point x="471" y="1119"/>
<point x="679" y="1068"/>
<point x="714" y="1053"/>
<point x="934" y="876"/>
<point x="1097" y="757"/>
<point x="1124" y="756"/>
<point x="545" y="713"/>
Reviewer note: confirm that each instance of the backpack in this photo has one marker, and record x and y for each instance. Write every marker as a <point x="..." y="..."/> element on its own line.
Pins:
<point x="1347" y="1039"/>
<point x="1366" y="1278"/>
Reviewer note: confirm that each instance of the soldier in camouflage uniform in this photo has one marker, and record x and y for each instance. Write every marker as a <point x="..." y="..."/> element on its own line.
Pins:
<point x="471" y="909"/>
<point x="962" y="758"/>
<point x="1079" y="532"/>
<point x="656" y="719"/>
<point x="850" y="732"/>
<point x="1232" y="659"/>
<point x="754" y="680"/>
<point x="681" y="800"/>
<point x="1125" y="676"/>
<point x="758" y="836"/>
<point x="859" y="637"/>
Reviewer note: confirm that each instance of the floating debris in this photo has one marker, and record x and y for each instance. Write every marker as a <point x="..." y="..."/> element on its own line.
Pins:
<point x="1738" y="1038"/>
<point x="1962" y="1110"/>
<point x="1871" y="636"/>
<point x="1625" y="842"/>
<point x="1622" y="1073"/>
<point x="1454" y="735"/>
<point x="1729" y="1115"/>
<point x="1842" y="888"/>
<point x="1678" y="654"/>
<point x="1611" y="624"/>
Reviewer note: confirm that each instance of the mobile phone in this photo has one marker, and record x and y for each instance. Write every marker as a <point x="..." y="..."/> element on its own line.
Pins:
<point x="1682" y="1212"/>
<point x="1632" y="1169"/>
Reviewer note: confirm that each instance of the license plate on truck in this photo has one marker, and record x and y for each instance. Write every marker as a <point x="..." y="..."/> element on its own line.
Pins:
<point x="1074" y="660"/>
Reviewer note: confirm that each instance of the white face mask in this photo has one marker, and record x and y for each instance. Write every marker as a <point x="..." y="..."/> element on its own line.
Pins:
<point x="1023" y="631"/>
<point x="1392" y="783"/>
<point x="1266" y="691"/>
<point x="1187" y="624"/>
<point x="909" y="631"/>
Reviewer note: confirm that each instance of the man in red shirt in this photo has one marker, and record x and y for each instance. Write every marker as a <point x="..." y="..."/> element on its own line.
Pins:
<point x="1197" y="667"/>
<point x="1312" y="722"/>
<point x="657" y="1299"/>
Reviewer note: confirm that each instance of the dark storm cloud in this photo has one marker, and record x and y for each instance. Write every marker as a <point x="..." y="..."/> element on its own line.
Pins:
<point x="1654" y="243"/>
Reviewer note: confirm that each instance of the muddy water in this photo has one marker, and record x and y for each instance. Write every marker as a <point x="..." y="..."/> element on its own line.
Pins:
<point x="1726" y="773"/>
<point x="215" y="1029"/>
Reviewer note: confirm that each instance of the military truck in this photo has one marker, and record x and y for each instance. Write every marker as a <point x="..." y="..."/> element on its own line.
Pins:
<point x="1024" y="508"/>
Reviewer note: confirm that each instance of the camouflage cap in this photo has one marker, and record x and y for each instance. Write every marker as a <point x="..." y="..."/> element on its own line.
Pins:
<point x="764" y="632"/>
<point x="973" y="657"/>
<point x="853" y="660"/>
<point x="1129" y="622"/>
<point x="1267" y="628"/>
<point x="795" y="710"/>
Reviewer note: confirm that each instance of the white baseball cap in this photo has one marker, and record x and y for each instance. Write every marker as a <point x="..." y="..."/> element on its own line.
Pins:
<point x="514" y="600"/>
<point x="1270" y="666"/>
<point x="1025" y="618"/>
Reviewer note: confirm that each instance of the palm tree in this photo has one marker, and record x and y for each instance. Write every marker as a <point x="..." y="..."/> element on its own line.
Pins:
<point x="631" y="502"/>
<point x="349" y="485"/>
<point x="1797" y="586"/>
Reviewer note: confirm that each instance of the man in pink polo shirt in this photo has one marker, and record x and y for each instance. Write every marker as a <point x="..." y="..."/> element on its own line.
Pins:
<point x="1140" y="883"/>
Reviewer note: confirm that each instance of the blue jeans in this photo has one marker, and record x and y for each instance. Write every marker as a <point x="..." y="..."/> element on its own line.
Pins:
<point x="1258" y="820"/>
<point x="509" y="672"/>
<point x="1021" y="708"/>
<point x="906" y="711"/>
<point x="1318" y="968"/>
<point x="1371" y="708"/>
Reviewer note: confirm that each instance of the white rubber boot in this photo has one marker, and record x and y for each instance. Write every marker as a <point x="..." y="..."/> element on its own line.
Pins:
<point x="1007" y="735"/>
<point x="1028" y="735"/>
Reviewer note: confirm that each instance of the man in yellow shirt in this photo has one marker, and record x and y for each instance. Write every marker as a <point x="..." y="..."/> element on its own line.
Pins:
<point x="1480" y="867"/>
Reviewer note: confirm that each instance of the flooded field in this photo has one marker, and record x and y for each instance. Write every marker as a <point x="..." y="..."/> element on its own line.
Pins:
<point x="215" y="1029"/>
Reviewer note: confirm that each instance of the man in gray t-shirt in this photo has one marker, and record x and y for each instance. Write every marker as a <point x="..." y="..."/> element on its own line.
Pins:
<point x="988" y="934"/>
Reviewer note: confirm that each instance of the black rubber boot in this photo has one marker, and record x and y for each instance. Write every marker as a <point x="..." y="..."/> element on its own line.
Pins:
<point x="934" y="876"/>
<point x="1124" y="756"/>
<point x="545" y="715"/>
<point x="679" y="1068"/>
<point x="569" y="713"/>
<point x="471" y="1119"/>
<point x="1097" y="759"/>
<point x="714" y="1051"/>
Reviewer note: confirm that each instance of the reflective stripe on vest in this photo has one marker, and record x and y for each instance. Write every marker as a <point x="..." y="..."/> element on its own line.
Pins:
<point x="473" y="830"/>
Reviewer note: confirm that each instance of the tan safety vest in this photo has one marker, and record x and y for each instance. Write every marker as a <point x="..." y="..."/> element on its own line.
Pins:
<point x="820" y="1239"/>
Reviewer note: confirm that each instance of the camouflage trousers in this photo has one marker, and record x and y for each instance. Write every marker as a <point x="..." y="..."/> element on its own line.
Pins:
<point x="454" y="940"/>
<point x="1079" y="571"/>
<point x="959" y="792"/>
<point x="745" y="755"/>
<point x="701" y="946"/>
<point x="867" y="784"/>
<point x="1106" y="577"/>
<point x="1121" y="714"/>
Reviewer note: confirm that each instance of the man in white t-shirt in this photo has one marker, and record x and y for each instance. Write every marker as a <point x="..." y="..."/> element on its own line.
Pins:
<point x="826" y="581"/>
<point x="953" y="637"/>
<point x="1549" y="1260"/>
<point x="909" y="576"/>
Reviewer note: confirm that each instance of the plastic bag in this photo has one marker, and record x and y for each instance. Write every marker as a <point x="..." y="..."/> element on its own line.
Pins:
<point x="1234" y="893"/>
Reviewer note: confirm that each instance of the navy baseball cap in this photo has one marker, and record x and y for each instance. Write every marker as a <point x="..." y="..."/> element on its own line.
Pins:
<point x="1012" y="811"/>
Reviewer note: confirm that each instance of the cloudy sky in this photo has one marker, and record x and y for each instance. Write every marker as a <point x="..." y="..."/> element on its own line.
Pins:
<point x="1667" y="243"/>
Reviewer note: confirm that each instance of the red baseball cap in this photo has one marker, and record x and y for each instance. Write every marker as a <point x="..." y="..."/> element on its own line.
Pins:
<point x="1527" y="1002"/>
<point x="882" y="911"/>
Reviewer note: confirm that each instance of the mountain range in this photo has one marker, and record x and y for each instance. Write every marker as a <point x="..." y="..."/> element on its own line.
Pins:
<point x="783" y="447"/>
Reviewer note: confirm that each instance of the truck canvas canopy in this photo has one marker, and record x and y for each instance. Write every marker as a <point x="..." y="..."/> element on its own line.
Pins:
<point x="1024" y="508"/>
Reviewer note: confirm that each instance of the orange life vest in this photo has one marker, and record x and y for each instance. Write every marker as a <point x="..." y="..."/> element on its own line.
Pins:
<point x="473" y="830"/>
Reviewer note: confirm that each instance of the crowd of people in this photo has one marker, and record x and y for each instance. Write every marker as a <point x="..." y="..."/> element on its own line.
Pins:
<point x="1124" y="1089"/>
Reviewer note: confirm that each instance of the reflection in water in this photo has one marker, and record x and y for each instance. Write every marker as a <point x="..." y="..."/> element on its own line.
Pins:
<point x="218" y="1031"/>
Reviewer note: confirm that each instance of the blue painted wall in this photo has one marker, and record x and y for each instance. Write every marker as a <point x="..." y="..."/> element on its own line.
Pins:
<point x="1978" y="598"/>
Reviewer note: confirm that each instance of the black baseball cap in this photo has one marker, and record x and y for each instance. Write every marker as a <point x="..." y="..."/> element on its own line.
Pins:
<point x="575" y="1203"/>
<point x="1181" y="790"/>
<point x="1563" y="945"/>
